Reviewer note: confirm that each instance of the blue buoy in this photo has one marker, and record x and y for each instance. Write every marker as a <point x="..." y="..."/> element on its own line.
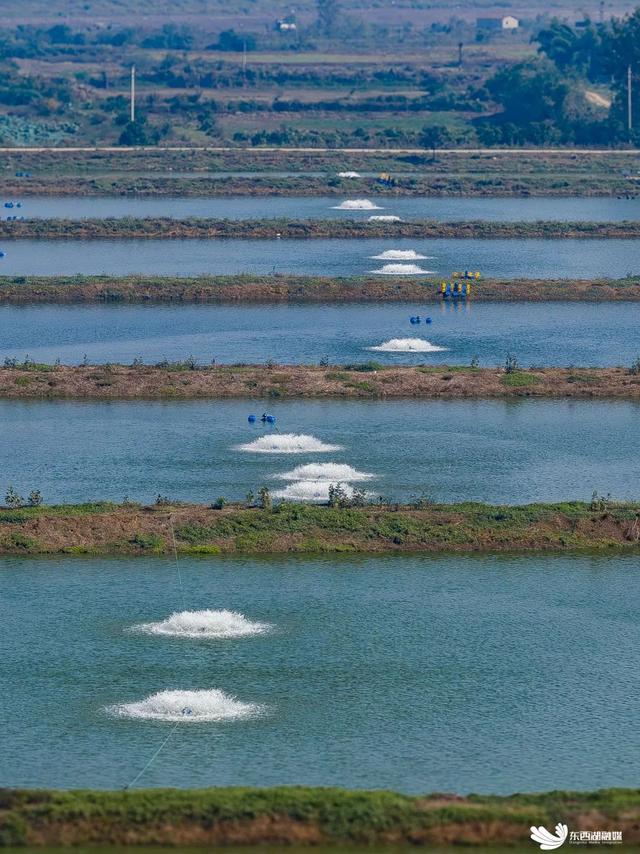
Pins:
<point x="2" y="254"/>
<point x="271" y="419"/>
<point x="18" y="204"/>
<point x="251" y="419"/>
<point x="427" y="320"/>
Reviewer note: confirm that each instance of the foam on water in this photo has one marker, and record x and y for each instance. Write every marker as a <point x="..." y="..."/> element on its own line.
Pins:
<point x="401" y="270"/>
<point x="357" y="205"/>
<point x="287" y="443"/>
<point x="388" y="218"/>
<point x="315" y="491"/>
<point x="348" y="174"/>
<point x="400" y="255"/>
<point x="329" y="472"/>
<point x="204" y="624"/>
<point x="187" y="707"/>
<point x="408" y="345"/>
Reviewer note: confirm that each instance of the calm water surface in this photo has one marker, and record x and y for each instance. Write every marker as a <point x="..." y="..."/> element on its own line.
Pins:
<point x="324" y="207"/>
<point x="542" y="259"/>
<point x="415" y="674"/>
<point x="507" y="452"/>
<point x="537" y="333"/>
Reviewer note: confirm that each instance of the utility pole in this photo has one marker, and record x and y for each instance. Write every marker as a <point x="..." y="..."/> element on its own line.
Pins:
<point x="629" y="114"/>
<point x="133" y="93"/>
<point x="244" y="64"/>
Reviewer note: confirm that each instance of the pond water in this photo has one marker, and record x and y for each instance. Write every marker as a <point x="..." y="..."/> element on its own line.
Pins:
<point x="495" y="451"/>
<point x="603" y="334"/>
<point x="324" y="207"/>
<point x="417" y="674"/>
<point x="535" y="259"/>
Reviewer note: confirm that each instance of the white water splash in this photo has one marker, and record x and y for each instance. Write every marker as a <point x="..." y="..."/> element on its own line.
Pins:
<point x="204" y="624"/>
<point x="314" y="491"/>
<point x="386" y="218"/>
<point x="401" y="270"/>
<point x="400" y="255"/>
<point x="408" y="345"/>
<point x="348" y="175"/>
<point x="186" y="707"/>
<point x="287" y="443"/>
<point x="357" y="205"/>
<point x="329" y="472"/>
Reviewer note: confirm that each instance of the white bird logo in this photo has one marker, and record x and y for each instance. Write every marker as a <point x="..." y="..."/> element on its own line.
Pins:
<point x="546" y="840"/>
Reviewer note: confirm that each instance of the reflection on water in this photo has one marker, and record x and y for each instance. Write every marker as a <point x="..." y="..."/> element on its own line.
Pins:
<point x="535" y="333"/>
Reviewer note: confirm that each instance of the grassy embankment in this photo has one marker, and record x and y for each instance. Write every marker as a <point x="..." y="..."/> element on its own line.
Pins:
<point x="197" y="173"/>
<point x="130" y="228"/>
<point x="304" y="816"/>
<point x="369" y="380"/>
<point x="451" y="184"/>
<point x="20" y="290"/>
<point x="132" y="529"/>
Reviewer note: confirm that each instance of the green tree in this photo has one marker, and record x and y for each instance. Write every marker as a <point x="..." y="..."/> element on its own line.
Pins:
<point x="532" y="91"/>
<point x="13" y="499"/>
<point x="232" y="41"/>
<point x="134" y="133"/>
<point x="265" y="498"/>
<point x="434" y="137"/>
<point x="328" y="14"/>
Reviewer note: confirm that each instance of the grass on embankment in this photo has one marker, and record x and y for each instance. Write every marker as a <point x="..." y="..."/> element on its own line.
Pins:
<point x="132" y="529"/>
<point x="194" y="173"/>
<point x="304" y="816"/>
<point x="21" y="290"/>
<point x="130" y="228"/>
<point x="369" y="381"/>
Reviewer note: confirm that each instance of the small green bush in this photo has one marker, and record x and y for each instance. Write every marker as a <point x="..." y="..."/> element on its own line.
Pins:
<point x="519" y="379"/>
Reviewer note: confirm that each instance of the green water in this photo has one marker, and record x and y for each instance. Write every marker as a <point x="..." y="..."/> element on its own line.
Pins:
<point x="416" y="674"/>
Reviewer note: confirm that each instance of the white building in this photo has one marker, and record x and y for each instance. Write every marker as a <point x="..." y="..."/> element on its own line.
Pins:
<point x="508" y="22"/>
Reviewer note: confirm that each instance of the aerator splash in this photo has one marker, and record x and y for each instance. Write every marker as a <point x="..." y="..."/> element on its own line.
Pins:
<point x="460" y="285"/>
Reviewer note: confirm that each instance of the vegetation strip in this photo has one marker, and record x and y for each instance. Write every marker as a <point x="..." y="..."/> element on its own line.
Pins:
<point x="348" y="525"/>
<point x="187" y="381"/>
<point x="20" y="290"/>
<point x="197" y="173"/>
<point x="129" y="228"/>
<point x="303" y="816"/>
<point x="512" y="182"/>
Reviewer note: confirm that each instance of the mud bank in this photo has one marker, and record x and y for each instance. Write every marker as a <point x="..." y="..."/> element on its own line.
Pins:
<point x="186" y="381"/>
<point x="20" y="290"/>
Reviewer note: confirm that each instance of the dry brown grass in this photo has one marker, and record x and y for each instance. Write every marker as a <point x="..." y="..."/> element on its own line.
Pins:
<point x="118" y="382"/>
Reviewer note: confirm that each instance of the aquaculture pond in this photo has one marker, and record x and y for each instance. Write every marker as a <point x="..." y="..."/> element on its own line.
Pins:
<point x="327" y="207"/>
<point x="597" y="334"/>
<point x="494" y="451"/>
<point x="452" y="674"/>
<point x="542" y="259"/>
